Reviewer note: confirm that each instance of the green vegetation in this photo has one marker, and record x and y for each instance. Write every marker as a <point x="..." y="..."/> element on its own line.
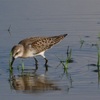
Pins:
<point x="69" y="55"/>
<point x="98" y="53"/>
<point x="99" y="36"/>
<point x="68" y="59"/>
<point x="10" y="59"/>
<point x="21" y="66"/>
<point x="81" y="43"/>
<point x="98" y="62"/>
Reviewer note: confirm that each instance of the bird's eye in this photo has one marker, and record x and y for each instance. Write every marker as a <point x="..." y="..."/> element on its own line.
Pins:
<point x="17" y="53"/>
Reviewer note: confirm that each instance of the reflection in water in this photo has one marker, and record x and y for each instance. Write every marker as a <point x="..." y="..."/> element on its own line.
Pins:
<point x="36" y="64"/>
<point x="31" y="83"/>
<point x="28" y="81"/>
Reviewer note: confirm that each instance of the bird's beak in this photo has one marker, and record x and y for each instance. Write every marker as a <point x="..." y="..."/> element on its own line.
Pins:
<point x="13" y="59"/>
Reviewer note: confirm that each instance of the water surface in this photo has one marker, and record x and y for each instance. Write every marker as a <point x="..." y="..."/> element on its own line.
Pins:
<point x="26" y="18"/>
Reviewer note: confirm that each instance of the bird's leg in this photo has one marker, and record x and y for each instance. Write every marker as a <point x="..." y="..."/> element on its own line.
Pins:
<point x="46" y="65"/>
<point x="46" y="61"/>
<point x="36" y="63"/>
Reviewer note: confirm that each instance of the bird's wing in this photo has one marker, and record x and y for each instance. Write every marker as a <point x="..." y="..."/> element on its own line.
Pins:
<point x="43" y="44"/>
<point x="29" y="41"/>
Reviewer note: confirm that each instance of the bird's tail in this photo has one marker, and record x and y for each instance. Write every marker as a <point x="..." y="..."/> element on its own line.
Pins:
<point x="60" y="37"/>
<point x="56" y="39"/>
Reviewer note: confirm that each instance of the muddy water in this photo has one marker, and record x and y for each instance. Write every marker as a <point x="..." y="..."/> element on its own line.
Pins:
<point x="25" y="18"/>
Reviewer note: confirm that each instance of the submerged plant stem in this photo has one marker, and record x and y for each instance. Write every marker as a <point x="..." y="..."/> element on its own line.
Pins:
<point x="22" y="65"/>
<point x="10" y="59"/>
<point x="81" y="42"/>
<point x="98" y="62"/>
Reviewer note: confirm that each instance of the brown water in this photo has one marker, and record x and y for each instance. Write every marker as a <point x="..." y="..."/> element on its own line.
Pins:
<point x="26" y="18"/>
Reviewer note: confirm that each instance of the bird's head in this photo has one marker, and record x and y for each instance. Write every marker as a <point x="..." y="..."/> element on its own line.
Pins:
<point x="17" y="52"/>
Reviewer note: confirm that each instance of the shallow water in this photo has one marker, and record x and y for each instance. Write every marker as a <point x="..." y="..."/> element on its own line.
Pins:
<point x="26" y="18"/>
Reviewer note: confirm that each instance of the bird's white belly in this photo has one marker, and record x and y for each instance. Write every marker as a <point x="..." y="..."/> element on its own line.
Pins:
<point x="33" y="54"/>
<point x="30" y="54"/>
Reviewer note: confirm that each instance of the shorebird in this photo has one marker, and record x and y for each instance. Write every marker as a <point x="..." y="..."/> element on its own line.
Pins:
<point x="34" y="46"/>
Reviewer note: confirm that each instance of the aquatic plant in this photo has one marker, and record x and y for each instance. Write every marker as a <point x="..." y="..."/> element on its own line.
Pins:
<point x="69" y="55"/>
<point x="98" y="56"/>
<point x="81" y="42"/>
<point x="10" y="59"/>
<point x="68" y="60"/>
<point x="99" y="35"/>
<point x="64" y="64"/>
<point x="98" y="62"/>
<point x="21" y="66"/>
